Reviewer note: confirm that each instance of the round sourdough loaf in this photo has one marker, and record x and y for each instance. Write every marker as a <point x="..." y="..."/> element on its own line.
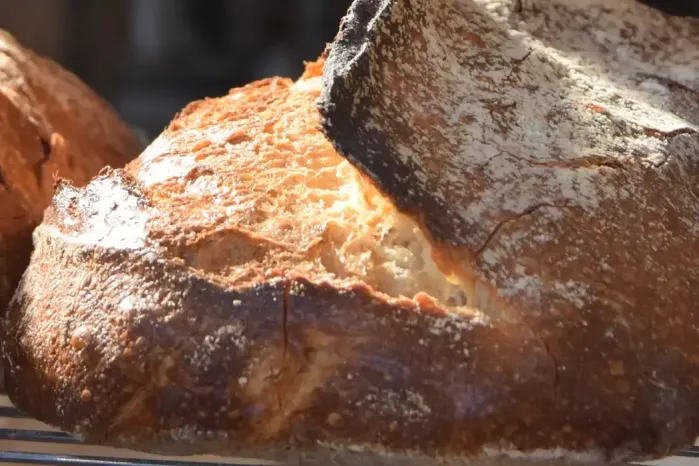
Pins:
<point x="502" y="269"/>
<point x="51" y="125"/>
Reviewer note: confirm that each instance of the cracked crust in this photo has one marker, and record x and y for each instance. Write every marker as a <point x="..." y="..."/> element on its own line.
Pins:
<point x="51" y="125"/>
<point x="211" y="298"/>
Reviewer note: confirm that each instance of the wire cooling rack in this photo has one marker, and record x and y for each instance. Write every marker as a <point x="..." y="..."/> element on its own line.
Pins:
<point x="24" y="440"/>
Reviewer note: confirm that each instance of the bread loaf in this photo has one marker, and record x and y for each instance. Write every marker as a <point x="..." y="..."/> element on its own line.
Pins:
<point x="52" y="126"/>
<point x="499" y="269"/>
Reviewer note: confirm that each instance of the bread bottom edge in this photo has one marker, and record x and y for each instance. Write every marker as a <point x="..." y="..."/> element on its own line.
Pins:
<point x="335" y="455"/>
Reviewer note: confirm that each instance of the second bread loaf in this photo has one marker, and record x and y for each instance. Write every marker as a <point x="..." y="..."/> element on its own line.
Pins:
<point x="51" y="126"/>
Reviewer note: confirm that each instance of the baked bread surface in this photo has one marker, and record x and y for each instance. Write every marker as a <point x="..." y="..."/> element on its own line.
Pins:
<point x="550" y="148"/>
<point x="240" y="288"/>
<point x="51" y="125"/>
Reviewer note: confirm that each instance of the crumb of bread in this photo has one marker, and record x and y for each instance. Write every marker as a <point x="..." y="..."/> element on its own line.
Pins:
<point x="264" y="193"/>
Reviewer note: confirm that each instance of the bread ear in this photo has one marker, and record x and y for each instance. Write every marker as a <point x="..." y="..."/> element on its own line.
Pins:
<point x="551" y="148"/>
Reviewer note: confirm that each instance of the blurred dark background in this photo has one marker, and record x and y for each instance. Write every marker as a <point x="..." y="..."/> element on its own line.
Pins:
<point x="151" y="57"/>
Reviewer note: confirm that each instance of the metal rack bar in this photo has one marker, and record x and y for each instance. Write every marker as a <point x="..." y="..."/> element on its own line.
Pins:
<point x="691" y="453"/>
<point x="35" y="435"/>
<point x="62" y="460"/>
<point x="28" y="441"/>
<point x="12" y="412"/>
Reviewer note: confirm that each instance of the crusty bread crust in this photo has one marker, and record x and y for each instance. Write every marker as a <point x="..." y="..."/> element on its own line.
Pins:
<point x="143" y="352"/>
<point x="148" y="318"/>
<point x="51" y="125"/>
<point x="222" y="295"/>
<point x="551" y="148"/>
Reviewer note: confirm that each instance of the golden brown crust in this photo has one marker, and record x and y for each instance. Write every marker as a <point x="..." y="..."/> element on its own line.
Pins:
<point x="52" y="126"/>
<point x="160" y="355"/>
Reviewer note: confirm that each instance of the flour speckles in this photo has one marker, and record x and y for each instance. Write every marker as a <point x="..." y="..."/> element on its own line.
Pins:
<point x="538" y="115"/>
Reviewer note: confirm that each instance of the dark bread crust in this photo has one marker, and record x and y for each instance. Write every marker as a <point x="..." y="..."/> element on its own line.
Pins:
<point x="126" y="347"/>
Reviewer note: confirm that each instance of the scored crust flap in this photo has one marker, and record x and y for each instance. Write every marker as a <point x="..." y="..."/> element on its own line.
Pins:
<point x="550" y="150"/>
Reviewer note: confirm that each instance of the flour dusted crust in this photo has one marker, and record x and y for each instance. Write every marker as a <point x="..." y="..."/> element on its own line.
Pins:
<point x="240" y="288"/>
<point x="551" y="148"/>
<point x="51" y="125"/>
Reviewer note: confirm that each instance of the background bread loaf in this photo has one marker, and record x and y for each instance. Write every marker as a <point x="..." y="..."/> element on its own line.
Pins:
<point x="242" y="288"/>
<point x="52" y="126"/>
